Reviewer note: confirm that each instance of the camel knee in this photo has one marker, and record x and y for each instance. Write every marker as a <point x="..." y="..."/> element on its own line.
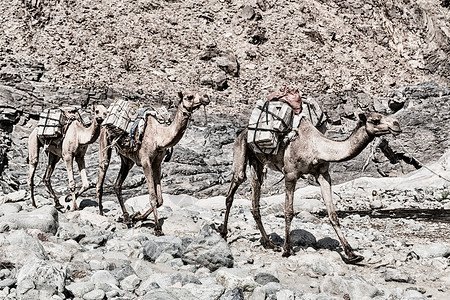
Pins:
<point x="117" y="189"/>
<point x="289" y="216"/>
<point x="47" y="182"/>
<point x="103" y="165"/>
<point x="239" y="178"/>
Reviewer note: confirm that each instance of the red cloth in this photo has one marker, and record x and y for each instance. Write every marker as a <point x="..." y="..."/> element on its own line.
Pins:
<point x="289" y="96"/>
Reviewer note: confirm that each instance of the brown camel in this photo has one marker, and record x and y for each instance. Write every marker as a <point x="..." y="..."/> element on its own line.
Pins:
<point x="310" y="153"/>
<point x="156" y="139"/>
<point x="73" y="144"/>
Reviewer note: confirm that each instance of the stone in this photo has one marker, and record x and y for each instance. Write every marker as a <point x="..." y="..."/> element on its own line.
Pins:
<point x="160" y="295"/>
<point x="231" y="281"/>
<point x="70" y="230"/>
<point x="355" y="286"/>
<point x="431" y="250"/>
<point x="103" y="276"/>
<point x="142" y="268"/>
<point x="41" y="279"/>
<point x="234" y="294"/>
<point x="228" y="63"/>
<point x="264" y="278"/>
<point x="303" y="238"/>
<point x="16" y="196"/>
<point x="44" y="218"/>
<point x="209" y="250"/>
<point x="169" y="280"/>
<point x="80" y="288"/>
<point x="9" y="208"/>
<point x="130" y="283"/>
<point x="163" y="244"/>
<point x="205" y="291"/>
<point x="258" y="293"/>
<point x="96" y="294"/>
<point x="315" y="264"/>
<point x="328" y="243"/>
<point x="19" y="247"/>
<point x="7" y="283"/>
<point x="395" y="275"/>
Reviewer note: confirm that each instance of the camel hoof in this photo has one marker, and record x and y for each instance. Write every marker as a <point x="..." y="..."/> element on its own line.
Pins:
<point x="127" y="220"/>
<point x="270" y="245"/>
<point x="137" y="216"/>
<point x="354" y="259"/>
<point x="288" y="252"/>
<point x="59" y="207"/>
<point x="223" y="232"/>
<point x="158" y="232"/>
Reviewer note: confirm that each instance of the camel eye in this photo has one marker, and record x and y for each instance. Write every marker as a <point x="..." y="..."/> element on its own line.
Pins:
<point x="376" y="122"/>
<point x="97" y="111"/>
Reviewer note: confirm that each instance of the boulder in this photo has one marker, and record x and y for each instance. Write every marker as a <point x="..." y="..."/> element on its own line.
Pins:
<point x="208" y="250"/>
<point x="41" y="280"/>
<point x="163" y="244"/>
<point x="44" y="218"/>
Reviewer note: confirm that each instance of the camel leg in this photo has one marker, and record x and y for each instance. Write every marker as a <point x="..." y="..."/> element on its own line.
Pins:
<point x="256" y="171"/>
<point x="85" y="182"/>
<point x="68" y="159"/>
<point x="52" y="161"/>
<point x="149" y="174"/>
<point x="157" y="180"/>
<point x="33" y="160"/>
<point x="324" y="180"/>
<point x="239" y="168"/>
<point x="104" y="157"/>
<point x="125" y="167"/>
<point x="290" y="182"/>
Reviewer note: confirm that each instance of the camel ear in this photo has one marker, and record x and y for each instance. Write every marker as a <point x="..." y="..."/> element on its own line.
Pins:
<point x="180" y="95"/>
<point x="362" y="117"/>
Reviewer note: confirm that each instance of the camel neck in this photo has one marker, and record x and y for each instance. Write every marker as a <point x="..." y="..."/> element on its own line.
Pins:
<point x="335" y="151"/>
<point x="173" y="133"/>
<point x="88" y="135"/>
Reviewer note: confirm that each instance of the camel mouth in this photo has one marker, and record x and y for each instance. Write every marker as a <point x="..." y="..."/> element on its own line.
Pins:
<point x="395" y="131"/>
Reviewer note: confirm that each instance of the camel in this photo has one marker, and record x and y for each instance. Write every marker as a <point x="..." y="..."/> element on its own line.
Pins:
<point x="73" y="144"/>
<point x="156" y="140"/>
<point x="310" y="153"/>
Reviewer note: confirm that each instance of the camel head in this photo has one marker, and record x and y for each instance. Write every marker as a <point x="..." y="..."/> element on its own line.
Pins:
<point x="100" y="113"/>
<point x="378" y="124"/>
<point x="193" y="100"/>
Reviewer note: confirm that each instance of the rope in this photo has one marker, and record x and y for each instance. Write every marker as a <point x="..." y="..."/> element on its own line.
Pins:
<point x="422" y="164"/>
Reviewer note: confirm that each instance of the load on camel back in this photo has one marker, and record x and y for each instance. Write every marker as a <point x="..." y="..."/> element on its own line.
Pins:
<point x="126" y="121"/>
<point x="272" y="121"/>
<point x="53" y="122"/>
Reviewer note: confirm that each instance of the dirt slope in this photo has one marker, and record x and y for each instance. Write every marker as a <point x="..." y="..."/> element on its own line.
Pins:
<point x="325" y="48"/>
